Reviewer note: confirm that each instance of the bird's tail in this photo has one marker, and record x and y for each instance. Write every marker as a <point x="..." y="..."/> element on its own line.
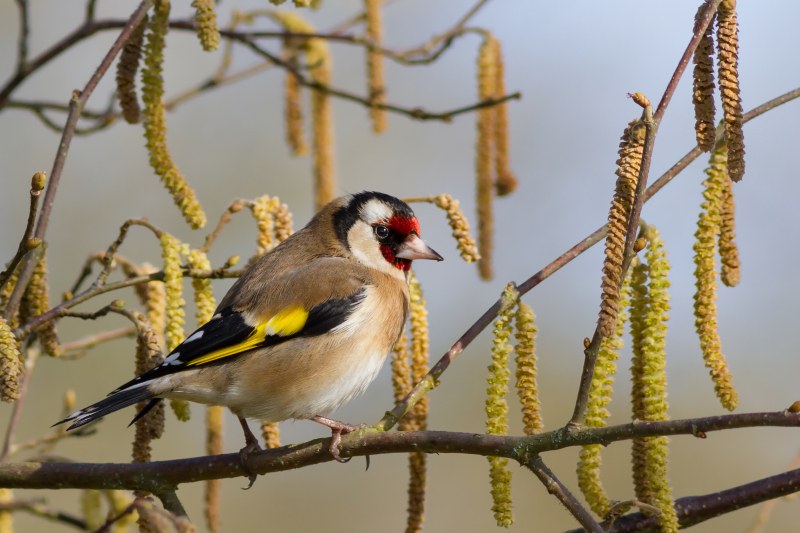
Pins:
<point x="113" y="402"/>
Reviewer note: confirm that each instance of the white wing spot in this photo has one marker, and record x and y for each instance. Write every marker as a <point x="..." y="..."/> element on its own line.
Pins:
<point x="172" y="359"/>
<point x="195" y="336"/>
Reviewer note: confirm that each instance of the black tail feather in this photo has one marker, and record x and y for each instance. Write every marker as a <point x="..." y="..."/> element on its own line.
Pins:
<point x="111" y="403"/>
<point x="146" y="409"/>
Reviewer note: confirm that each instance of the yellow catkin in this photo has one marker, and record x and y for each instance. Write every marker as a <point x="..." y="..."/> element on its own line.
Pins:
<point x="401" y="370"/>
<point x="293" y="115"/>
<point x="6" y="517"/>
<point x="728" y="71"/>
<point x="628" y="164"/>
<point x="118" y="502"/>
<point x="205" y="19"/>
<point x="497" y="407"/>
<point x="705" y="306"/>
<point x="505" y="183"/>
<point x="703" y="92"/>
<point x="597" y="413"/>
<point x="377" y="83"/>
<point x="10" y="364"/>
<point x="418" y="317"/>
<point x="151" y="426"/>
<point x="175" y="313"/>
<point x="261" y="208"/>
<point x="460" y="227"/>
<point x="126" y="74"/>
<point x="484" y="154"/>
<point x="271" y="434"/>
<point x="154" y="295"/>
<point x="204" y="301"/>
<point x="155" y="126"/>
<point x="728" y="250"/>
<point x="35" y="301"/>
<point x="525" y="361"/>
<point x="649" y="315"/>
<point x="213" y="488"/>
<point x="283" y="220"/>
<point x="417" y="418"/>
<point x="91" y="509"/>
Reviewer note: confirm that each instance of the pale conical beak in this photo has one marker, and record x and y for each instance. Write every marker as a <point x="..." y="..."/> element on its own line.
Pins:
<point x="415" y="248"/>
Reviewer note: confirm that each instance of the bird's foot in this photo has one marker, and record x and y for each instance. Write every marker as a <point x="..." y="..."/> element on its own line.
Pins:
<point x="250" y="446"/>
<point x="337" y="430"/>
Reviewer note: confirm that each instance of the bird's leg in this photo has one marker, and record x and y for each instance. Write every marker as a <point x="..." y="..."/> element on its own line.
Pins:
<point x="250" y="445"/>
<point x="337" y="430"/>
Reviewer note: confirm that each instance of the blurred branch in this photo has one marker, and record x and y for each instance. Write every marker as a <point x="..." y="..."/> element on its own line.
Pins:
<point x="24" y="32"/>
<point x="25" y="244"/>
<point x="40" y="509"/>
<point x="31" y="356"/>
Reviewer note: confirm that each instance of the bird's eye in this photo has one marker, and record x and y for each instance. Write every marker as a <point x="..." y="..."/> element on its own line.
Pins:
<point x="381" y="232"/>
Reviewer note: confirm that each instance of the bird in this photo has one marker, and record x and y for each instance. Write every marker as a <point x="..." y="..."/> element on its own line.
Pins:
<point x="304" y="329"/>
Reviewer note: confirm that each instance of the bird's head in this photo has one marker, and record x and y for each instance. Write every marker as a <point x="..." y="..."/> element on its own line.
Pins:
<point x="382" y="232"/>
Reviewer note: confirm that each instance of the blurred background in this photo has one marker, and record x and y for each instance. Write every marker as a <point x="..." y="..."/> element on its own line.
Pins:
<point x="574" y="64"/>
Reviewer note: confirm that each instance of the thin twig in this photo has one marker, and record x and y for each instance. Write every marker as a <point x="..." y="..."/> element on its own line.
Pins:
<point x="555" y="487"/>
<point x="77" y="348"/>
<point x="32" y="354"/>
<point x="169" y="499"/>
<point x="23" y="247"/>
<point x="24" y="32"/>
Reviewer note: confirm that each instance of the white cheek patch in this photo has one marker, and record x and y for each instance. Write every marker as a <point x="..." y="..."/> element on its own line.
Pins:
<point x="374" y="211"/>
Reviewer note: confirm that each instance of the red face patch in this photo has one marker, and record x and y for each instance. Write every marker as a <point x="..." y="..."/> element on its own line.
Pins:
<point x="404" y="225"/>
<point x="388" y="254"/>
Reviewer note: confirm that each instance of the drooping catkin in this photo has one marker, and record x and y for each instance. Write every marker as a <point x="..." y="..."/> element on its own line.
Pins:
<point x="484" y="154"/>
<point x="151" y="426"/>
<point x="319" y="60"/>
<point x="213" y="488"/>
<point x="505" y="182"/>
<point x="417" y="418"/>
<point x="728" y="250"/>
<point x="703" y="92"/>
<point x="91" y="509"/>
<point x="154" y="295"/>
<point x="597" y="412"/>
<point x="628" y="165"/>
<point x="283" y="220"/>
<point x="377" y="88"/>
<point x="271" y="434"/>
<point x="203" y="294"/>
<point x="705" y="307"/>
<point x="261" y="208"/>
<point x="205" y="20"/>
<point x="35" y="301"/>
<point x="460" y="227"/>
<point x="497" y="407"/>
<point x="728" y="72"/>
<point x="401" y="370"/>
<point x="649" y="315"/>
<point x="525" y="362"/>
<point x="155" y="125"/>
<point x="126" y="74"/>
<point x="11" y="368"/>
<point x="175" y="313"/>
<point x="6" y="517"/>
<point x="118" y="503"/>
<point x="293" y="115"/>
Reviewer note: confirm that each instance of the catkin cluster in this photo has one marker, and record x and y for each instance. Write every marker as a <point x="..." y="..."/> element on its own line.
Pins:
<point x="597" y="412"/>
<point x="705" y="308"/>
<point x="492" y="170"/>
<point x="460" y="227"/>
<point x="155" y="126"/>
<point x="127" y="67"/>
<point x="319" y="61"/>
<point x="629" y="163"/>
<point x="649" y="315"/>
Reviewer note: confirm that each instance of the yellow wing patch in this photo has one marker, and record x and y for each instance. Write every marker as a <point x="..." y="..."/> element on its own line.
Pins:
<point x="287" y="321"/>
<point x="284" y="323"/>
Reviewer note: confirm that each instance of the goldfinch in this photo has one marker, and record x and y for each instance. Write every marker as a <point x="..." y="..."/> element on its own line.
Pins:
<point x="305" y="328"/>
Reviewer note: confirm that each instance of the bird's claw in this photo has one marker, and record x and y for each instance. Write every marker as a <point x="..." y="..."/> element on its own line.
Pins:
<point x="244" y="455"/>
